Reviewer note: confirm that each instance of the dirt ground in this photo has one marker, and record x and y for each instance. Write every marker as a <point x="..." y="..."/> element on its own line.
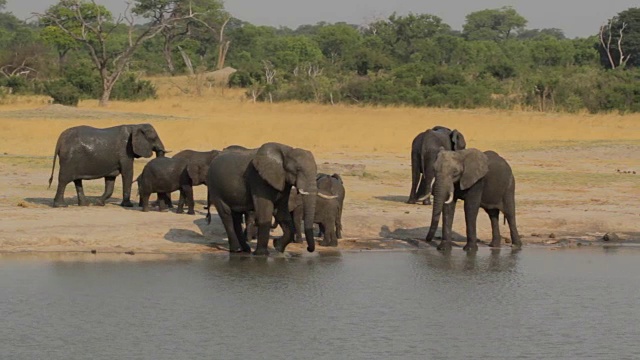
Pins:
<point x="566" y="197"/>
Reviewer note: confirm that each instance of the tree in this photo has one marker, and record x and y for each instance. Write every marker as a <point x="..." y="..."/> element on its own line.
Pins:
<point x="207" y="14"/>
<point x="493" y="24"/>
<point x="620" y="40"/>
<point x="93" y="26"/>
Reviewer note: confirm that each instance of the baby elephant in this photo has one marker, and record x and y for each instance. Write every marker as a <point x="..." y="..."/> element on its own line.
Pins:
<point x="164" y="175"/>
<point x="328" y="214"/>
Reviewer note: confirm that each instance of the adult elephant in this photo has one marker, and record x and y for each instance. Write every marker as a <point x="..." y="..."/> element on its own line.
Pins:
<point x="88" y="153"/>
<point x="482" y="180"/>
<point x="424" y="149"/>
<point x="260" y="180"/>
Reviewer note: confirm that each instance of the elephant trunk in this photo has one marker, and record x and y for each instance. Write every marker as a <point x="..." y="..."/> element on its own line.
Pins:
<point x="309" y="206"/>
<point x="438" y="203"/>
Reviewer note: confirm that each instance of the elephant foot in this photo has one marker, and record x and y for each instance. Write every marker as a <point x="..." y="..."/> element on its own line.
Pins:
<point x="324" y="243"/>
<point x="191" y="212"/>
<point x="59" y="204"/>
<point x="83" y="202"/>
<point x="426" y="201"/>
<point x="444" y="246"/>
<point x="495" y="244"/>
<point x="145" y="209"/>
<point x="261" y="252"/>
<point x="279" y="245"/>
<point x="411" y="201"/>
<point x="298" y="239"/>
<point x="100" y="202"/>
<point x="126" y="203"/>
<point x="471" y="247"/>
<point x="180" y="211"/>
<point x="516" y="243"/>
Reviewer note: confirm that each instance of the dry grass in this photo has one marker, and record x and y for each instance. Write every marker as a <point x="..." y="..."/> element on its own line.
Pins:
<point x="224" y="117"/>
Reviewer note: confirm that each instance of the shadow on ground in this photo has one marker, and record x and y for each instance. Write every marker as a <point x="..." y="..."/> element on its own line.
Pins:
<point x="393" y="198"/>
<point x="209" y="235"/>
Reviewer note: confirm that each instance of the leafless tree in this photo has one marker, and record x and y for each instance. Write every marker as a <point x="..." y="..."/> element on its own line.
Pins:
<point x="94" y="36"/>
<point x="606" y="37"/>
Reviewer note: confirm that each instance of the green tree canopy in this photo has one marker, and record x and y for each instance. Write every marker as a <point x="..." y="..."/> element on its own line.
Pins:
<point x="493" y="24"/>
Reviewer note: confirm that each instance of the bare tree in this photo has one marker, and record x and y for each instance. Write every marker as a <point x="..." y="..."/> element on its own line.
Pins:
<point x="606" y="37"/>
<point x="94" y="35"/>
<point x="270" y="74"/>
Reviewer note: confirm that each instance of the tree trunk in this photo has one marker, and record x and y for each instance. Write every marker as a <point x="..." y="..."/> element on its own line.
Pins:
<point x="107" y="87"/>
<point x="166" y="51"/>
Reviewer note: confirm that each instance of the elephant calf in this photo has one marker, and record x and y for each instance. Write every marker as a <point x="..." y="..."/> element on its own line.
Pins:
<point x="164" y="175"/>
<point x="328" y="213"/>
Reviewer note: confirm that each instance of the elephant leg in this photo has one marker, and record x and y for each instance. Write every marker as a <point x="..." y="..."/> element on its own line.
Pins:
<point x="144" y="201"/>
<point x="510" y="214"/>
<point x="321" y="230"/>
<point x="82" y="200"/>
<point x="448" y="213"/>
<point x="263" y="214"/>
<point x="187" y="196"/>
<point x="237" y="228"/>
<point x="164" y="198"/>
<point x="471" y="209"/>
<point x="297" y="223"/>
<point x="162" y="204"/>
<point x="127" y="180"/>
<point x="58" y="200"/>
<point x="339" y="223"/>
<point x="181" y="201"/>
<point x="283" y="217"/>
<point x="109" y="183"/>
<point x="226" y="216"/>
<point x="494" y="216"/>
<point x="415" y="178"/>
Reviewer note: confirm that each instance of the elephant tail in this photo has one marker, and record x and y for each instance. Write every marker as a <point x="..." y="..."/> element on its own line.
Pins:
<point x="53" y="168"/>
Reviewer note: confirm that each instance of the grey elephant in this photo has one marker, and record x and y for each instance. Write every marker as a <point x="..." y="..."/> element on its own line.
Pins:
<point x="424" y="149"/>
<point x="483" y="180"/>
<point x="260" y="180"/>
<point x="88" y="153"/>
<point x="328" y="216"/>
<point x="165" y="175"/>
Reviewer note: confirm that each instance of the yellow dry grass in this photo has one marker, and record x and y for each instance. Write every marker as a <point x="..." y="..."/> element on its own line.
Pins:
<point x="221" y="118"/>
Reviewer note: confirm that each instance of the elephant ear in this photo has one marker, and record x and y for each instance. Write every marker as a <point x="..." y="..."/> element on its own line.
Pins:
<point x="141" y="145"/>
<point x="475" y="166"/>
<point x="457" y="141"/>
<point x="269" y="161"/>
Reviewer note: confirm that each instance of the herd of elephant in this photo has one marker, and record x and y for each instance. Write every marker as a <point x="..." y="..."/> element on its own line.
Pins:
<point x="251" y="187"/>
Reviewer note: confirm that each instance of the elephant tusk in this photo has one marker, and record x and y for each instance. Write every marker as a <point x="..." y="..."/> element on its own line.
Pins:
<point x="431" y="186"/>
<point x="450" y="199"/>
<point x="328" y="197"/>
<point x="302" y="192"/>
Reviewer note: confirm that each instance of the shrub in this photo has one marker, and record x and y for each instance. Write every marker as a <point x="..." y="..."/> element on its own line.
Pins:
<point x="63" y="92"/>
<point x="129" y="87"/>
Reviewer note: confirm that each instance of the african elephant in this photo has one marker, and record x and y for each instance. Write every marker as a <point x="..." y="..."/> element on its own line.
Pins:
<point x="260" y="180"/>
<point x="329" y="205"/>
<point x="424" y="150"/>
<point x="165" y="175"/>
<point x="88" y="153"/>
<point x="198" y="162"/>
<point x="482" y="180"/>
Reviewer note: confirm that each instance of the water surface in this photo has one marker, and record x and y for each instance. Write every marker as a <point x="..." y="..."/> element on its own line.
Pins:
<point x="532" y="304"/>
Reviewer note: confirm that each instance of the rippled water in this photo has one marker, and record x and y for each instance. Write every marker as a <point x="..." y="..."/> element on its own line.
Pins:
<point x="533" y="304"/>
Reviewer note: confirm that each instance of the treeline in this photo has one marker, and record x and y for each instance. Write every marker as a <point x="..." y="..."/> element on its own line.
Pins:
<point x="415" y="59"/>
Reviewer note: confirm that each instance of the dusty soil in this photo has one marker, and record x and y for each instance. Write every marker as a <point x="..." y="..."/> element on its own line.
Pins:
<point x="566" y="197"/>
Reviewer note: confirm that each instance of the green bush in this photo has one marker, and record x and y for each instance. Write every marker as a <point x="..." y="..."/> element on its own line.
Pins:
<point x="63" y="92"/>
<point x="130" y="88"/>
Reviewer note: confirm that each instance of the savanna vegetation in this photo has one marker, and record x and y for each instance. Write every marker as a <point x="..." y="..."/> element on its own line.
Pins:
<point x="78" y="50"/>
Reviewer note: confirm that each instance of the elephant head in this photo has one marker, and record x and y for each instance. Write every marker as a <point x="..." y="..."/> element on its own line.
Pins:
<point x="282" y="166"/>
<point x="198" y="169"/>
<point x="145" y="141"/>
<point x="464" y="167"/>
<point x="457" y="140"/>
